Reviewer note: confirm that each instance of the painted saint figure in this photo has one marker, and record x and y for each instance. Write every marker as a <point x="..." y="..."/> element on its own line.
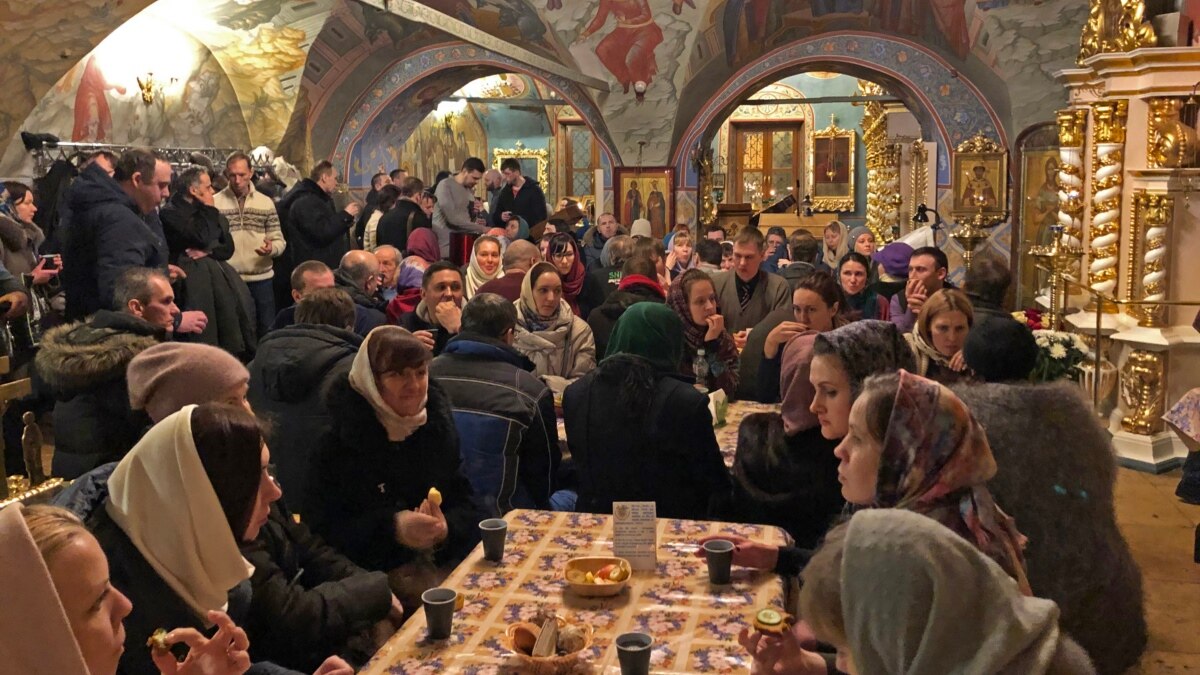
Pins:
<point x="628" y="51"/>
<point x="633" y="202"/>
<point x="93" y="121"/>
<point x="656" y="208"/>
<point x="979" y="192"/>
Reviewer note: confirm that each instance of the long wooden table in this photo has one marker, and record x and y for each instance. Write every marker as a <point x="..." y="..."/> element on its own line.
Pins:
<point x="694" y="624"/>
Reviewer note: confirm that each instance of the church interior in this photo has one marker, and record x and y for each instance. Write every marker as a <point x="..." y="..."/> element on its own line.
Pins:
<point x="1058" y="136"/>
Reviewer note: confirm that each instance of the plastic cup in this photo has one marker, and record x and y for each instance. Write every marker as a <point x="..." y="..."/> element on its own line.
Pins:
<point x="439" y="611"/>
<point x="633" y="653"/>
<point x="493" y="531"/>
<point x="719" y="554"/>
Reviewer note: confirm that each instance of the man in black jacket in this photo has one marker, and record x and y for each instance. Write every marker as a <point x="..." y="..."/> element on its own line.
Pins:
<point x="313" y="227"/>
<point x="312" y="275"/>
<point x="405" y="216"/>
<point x="508" y="434"/>
<point x="520" y="197"/>
<point x="358" y="275"/>
<point x="113" y="227"/>
<point x="639" y="283"/>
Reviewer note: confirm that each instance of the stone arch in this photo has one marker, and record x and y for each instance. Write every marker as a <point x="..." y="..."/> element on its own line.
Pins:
<point x="949" y="107"/>
<point x="406" y="73"/>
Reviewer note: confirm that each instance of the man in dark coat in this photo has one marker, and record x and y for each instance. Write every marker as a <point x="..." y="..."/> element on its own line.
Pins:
<point x="83" y="367"/>
<point x="639" y="283"/>
<point x="520" y="197"/>
<point x="309" y="276"/>
<point x="313" y="227"/>
<point x="308" y="600"/>
<point x="519" y="258"/>
<point x="358" y="275"/>
<point x="438" y="317"/>
<point x="198" y="240"/>
<point x="113" y="228"/>
<point x="404" y="217"/>
<point x="986" y="284"/>
<point x="594" y="239"/>
<point x="508" y="433"/>
<point x="290" y="375"/>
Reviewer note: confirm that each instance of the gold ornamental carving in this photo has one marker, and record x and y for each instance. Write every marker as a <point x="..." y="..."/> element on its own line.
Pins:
<point x="1115" y="26"/>
<point x="1108" y="169"/>
<point x="1072" y="127"/>
<point x="1171" y="144"/>
<point x="1153" y="215"/>
<point x="920" y="171"/>
<point x="702" y="157"/>
<point x="542" y="157"/>
<point x="842" y="196"/>
<point x="883" y="163"/>
<point x="1143" y="382"/>
<point x="979" y="143"/>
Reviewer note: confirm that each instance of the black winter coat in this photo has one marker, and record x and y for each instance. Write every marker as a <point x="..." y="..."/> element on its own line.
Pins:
<point x="106" y="236"/>
<point x="412" y="323"/>
<point x="83" y="366"/>
<point x="664" y="451"/>
<point x="313" y="227"/>
<point x="603" y="319"/>
<point x="529" y="203"/>
<point x="291" y="374"/>
<point x="308" y="599"/>
<point x="359" y="481"/>
<point x="395" y="225"/>
<point x="798" y="491"/>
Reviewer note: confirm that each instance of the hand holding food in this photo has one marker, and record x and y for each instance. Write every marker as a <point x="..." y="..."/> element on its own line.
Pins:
<point x="225" y="653"/>
<point x="434" y="496"/>
<point x="772" y="621"/>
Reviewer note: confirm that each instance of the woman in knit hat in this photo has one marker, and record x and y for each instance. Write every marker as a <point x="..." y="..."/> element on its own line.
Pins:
<point x="171" y="375"/>
<point x="638" y="430"/>
<point x="956" y="612"/>
<point x="862" y="240"/>
<point x="61" y="615"/>
<point x="392" y="438"/>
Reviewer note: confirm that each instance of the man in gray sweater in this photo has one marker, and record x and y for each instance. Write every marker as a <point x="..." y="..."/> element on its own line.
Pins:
<point x="455" y="210"/>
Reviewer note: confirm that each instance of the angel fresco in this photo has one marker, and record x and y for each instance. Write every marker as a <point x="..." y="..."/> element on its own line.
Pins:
<point x="628" y="51"/>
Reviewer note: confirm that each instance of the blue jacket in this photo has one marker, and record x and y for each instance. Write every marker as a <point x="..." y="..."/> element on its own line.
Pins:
<point x="508" y="433"/>
<point x="107" y="235"/>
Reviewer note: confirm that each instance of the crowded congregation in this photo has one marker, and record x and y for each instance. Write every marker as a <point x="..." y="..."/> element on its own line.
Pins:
<point x="599" y="336"/>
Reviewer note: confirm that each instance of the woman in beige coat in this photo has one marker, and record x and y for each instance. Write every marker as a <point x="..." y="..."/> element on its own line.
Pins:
<point x="548" y="333"/>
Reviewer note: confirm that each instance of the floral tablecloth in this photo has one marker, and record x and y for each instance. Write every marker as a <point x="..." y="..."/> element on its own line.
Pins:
<point x="694" y="624"/>
<point x="727" y="433"/>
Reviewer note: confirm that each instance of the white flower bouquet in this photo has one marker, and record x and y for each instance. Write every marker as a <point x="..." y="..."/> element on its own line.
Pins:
<point x="1059" y="355"/>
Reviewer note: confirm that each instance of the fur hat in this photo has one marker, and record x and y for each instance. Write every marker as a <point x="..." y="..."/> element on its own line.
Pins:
<point x="169" y="376"/>
<point x="894" y="258"/>
<point x="1000" y="349"/>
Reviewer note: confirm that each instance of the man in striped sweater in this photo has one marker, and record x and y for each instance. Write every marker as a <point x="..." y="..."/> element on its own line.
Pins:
<point x="257" y="237"/>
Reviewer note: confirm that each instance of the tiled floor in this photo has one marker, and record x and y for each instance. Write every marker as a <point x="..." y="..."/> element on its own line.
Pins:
<point x="1161" y="529"/>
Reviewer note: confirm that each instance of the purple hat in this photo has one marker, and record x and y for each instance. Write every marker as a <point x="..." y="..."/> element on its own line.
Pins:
<point x="894" y="258"/>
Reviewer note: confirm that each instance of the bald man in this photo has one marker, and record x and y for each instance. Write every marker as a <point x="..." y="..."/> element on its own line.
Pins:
<point x="389" y="270"/>
<point x="358" y="275"/>
<point x="519" y="258"/>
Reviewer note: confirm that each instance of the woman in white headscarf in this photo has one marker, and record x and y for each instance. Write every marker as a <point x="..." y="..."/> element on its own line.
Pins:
<point x="957" y="611"/>
<point x="484" y="266"/>
<point x="61" y="616"/>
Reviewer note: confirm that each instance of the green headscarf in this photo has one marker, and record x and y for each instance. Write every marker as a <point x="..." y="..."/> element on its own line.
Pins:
<point x="652" y="331"/>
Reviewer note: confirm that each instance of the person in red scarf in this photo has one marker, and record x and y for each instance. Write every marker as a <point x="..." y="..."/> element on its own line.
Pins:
<point x="581" y="291"/>
<point x="639" y="283"/>
<point x="694" y="299"/>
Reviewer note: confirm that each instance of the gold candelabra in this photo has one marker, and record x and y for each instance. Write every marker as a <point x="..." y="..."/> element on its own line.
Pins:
<point x="1062" y="258"/>
<point x="973" y="230"/>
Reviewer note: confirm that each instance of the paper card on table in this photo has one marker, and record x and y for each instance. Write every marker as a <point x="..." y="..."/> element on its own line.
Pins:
<point x="635" y="534"/>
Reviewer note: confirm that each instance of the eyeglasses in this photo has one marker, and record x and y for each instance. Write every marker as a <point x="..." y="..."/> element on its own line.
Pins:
<point x="563" y="255"/>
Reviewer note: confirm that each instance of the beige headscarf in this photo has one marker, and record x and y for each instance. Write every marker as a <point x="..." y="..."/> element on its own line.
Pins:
<point x="35" y="635"/>
<point x="956" y="612"/>
<point x="475" y="276"/>
<point x="362" y="379"/>
<point x="161" y="498"/>
<point x="831" y="257"/>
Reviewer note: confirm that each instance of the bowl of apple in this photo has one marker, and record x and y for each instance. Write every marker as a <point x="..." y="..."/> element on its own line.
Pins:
<point x="597" y="576"/>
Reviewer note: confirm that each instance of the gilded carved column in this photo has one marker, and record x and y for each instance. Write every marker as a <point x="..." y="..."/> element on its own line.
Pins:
<point x="883" y="160"/>
<point x="1108" y="171"/>
<point x="1153" y="215"/>
<point x="1072" y="131"/>
<point x="1115" y="26"/>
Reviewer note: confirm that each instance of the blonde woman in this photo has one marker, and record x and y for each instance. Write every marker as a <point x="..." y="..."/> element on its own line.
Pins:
<point x="484" y="265"/>
<point x="938" y="338"/>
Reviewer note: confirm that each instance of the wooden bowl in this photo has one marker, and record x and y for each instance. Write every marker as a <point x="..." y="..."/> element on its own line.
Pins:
<point x="578" y="566"/>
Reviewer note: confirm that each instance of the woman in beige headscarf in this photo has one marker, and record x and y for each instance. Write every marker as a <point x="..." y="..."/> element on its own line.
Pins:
<point x="835" y="246"/>
<point x="484" y="266"/>
<point x="61" y="616"/>
<point x="559" y="343"/>
<point x="957" y="611"/>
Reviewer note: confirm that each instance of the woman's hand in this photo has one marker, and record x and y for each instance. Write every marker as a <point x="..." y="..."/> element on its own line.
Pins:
<point x="423" y="528"/>
<point x="716" y="326"/>
<point x="334" y="665"/>
<point x="781" y="335"/>
<point x="672" y="260"/>
<point x="222" y="654"/>
<point x="958" y="362"/>
<point x="41" y="275"/>
<point x="782" y="654"/>
<point x="746" y="553"/>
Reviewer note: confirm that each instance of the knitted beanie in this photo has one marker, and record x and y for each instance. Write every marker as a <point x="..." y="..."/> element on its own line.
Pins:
<point x="640" y="228"/>
<point x="171" y="375"/>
